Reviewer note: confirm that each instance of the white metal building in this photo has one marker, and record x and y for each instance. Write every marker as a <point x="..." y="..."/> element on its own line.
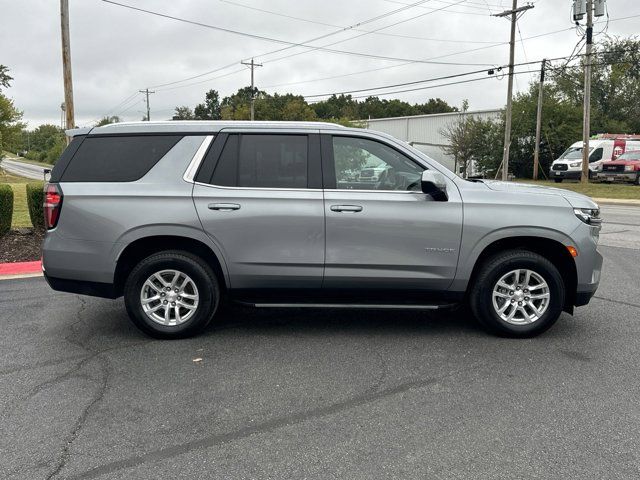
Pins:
<point x="424" y="131"/>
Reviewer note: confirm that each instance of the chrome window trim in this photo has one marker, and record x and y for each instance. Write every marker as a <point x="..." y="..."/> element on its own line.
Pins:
<point x="223" y="187"/>
<point x="190" y="172"/>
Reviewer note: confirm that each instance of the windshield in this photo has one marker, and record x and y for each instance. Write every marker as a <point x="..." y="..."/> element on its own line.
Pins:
<point x="572" y="153"/>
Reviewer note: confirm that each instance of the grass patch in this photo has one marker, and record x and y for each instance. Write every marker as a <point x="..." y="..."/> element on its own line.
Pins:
<point x="8" y="154"/>
<point x="8" y="178"/>
<point x="20" y="209"/>
<point x="595" y="190"/>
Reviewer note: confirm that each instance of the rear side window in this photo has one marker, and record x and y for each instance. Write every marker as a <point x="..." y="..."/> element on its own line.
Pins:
<point x="65" y="158"/>
<point x="117" y="158"/>
<point x="263" y="161"/>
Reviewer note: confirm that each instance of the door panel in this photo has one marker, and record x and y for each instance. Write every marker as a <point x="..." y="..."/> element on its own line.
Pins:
<point x="381" y="231"/>
<point x="270" y="238"/>
<point x="261" y="203"/>
<point x="396" y="240"/>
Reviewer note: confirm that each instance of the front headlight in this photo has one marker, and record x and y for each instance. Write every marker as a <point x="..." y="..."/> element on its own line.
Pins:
<point x="590" y="216"/>
<point x="628" y="168"/>
<point x="575" y="164"/>
<point x="599" y="168"/>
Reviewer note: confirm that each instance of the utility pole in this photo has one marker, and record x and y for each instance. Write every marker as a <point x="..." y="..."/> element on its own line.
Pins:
<point x="536" y="152"/>
<point x="66" y="65"/>
<point x="252" y="64"/>
<point x="146" y="91"/>
<point x="586" y="118"/>
<point x="513" y="13"/>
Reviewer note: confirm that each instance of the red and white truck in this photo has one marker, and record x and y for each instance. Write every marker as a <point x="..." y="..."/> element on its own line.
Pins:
<point x="602" y="148"/>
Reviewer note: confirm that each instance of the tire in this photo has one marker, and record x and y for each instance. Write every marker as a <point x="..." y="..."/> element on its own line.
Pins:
<point x="485" y="307"/>
<point x="195" y="280"/>
<point x="558" y="180"/>
<point x="637" y="182"/>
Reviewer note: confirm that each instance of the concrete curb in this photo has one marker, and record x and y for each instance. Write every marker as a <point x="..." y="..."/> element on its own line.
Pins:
<point x="20" y="270"/>
<point x="618" y="201"/>
<point x="18" y="276"/>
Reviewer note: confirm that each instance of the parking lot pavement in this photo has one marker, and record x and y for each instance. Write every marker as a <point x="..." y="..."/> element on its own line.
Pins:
<point x="322" y="394"/>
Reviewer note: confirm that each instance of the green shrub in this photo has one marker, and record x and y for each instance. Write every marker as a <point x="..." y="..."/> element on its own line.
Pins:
<point x="6" y="208"/>
<point x="35" y="198"/>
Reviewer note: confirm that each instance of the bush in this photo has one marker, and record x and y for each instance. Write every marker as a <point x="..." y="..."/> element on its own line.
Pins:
<point x="35" y="199"/>
<point x="6" y="208"/>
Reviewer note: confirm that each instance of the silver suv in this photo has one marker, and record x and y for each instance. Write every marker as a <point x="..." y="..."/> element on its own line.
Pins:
<point x="177" y="216"/>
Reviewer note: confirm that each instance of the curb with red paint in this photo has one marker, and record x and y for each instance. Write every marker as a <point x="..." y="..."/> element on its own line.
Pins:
<point x="20" y="269"/>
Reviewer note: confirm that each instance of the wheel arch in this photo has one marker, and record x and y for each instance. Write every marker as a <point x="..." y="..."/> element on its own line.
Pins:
<point x="553" y="250"/>
<point x="145" y="246"/>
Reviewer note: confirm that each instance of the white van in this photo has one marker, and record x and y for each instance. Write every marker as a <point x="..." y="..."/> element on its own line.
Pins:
<point x="601" y="148"/>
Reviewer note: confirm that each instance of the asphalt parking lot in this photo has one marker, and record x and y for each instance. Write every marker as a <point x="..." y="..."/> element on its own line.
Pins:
<point x="323" y="394"/>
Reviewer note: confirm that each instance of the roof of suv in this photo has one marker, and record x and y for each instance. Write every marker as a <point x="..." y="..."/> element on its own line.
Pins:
<point x="195" y="126"/>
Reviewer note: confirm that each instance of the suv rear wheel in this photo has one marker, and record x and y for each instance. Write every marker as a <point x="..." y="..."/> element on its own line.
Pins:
<point x="517" y="294"/>
<point x="171" y="294"/>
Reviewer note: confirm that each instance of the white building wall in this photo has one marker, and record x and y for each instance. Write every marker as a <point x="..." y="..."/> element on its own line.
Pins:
<point x="424" y="131"/>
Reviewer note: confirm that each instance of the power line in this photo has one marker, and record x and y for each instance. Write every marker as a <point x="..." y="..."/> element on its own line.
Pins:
<point x="521" y="64"/>
<point x="285" y="42"/>
<point x="387" y="34"/>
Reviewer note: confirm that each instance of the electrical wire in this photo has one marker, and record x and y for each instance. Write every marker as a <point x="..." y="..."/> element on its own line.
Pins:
<point x="387" y="34"/>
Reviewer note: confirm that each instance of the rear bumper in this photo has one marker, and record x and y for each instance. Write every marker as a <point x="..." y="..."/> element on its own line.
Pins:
<point x="94" y="289"/>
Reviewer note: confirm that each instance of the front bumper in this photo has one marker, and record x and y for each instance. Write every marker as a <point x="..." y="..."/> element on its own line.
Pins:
<point x="566" y="174"/>
<point x="615" y="177"/>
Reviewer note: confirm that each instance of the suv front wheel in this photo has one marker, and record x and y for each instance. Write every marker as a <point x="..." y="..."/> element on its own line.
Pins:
<point x="517" y="294"/>
<point x="171" y="294"/>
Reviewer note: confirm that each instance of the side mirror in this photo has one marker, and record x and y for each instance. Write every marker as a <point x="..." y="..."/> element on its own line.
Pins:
<point x="433" y="183"/>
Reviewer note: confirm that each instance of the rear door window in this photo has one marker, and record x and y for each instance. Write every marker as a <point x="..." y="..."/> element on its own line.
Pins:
<point x="263" y="161"/>
<point x="117" y="158"/>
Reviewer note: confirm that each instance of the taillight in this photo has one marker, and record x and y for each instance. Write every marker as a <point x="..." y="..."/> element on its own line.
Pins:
<point x="52" y="204"/>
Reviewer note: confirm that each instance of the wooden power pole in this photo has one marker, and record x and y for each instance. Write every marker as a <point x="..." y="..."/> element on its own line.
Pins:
<point x="536" y="152"/>
<point x="252" y="64"/>
<point x="66" y="65"/>
<point x="146" y="91"/>
<point x="513" y="13"/>
<point x="586" y="119"/>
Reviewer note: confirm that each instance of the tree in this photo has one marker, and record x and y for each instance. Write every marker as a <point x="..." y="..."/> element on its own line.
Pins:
<point x="106" y="120"/>
<point x="460" y="145"/>
<point x="183" y="113"/>
<point x="10" y="125"/>
<point x="5" y="79"/>
<point x="10" y="116"/>
<point x="210" y="109"/>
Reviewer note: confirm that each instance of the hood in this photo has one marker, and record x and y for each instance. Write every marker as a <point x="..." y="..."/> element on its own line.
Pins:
<point x="577" y="200"/>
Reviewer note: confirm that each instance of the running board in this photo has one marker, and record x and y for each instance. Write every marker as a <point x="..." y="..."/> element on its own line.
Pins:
<point x="363" y="306"/>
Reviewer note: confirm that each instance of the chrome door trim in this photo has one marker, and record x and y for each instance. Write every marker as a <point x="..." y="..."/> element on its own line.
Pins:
<point x="190" y="172"/>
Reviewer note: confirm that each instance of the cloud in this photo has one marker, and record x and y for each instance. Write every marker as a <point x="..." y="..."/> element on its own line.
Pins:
<point x="116" y="51"/>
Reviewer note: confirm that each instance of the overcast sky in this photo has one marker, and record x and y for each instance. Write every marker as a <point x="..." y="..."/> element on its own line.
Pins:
<point x="117" y="51"/>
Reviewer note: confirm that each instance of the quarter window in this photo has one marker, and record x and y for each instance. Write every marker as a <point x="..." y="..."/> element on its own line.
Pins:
<point x="117" y="158"/>
<point x="263" y="161"/>
<point x="362" y="164"/>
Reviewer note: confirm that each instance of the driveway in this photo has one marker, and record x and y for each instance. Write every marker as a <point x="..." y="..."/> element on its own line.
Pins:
<point x="323" y="394"/>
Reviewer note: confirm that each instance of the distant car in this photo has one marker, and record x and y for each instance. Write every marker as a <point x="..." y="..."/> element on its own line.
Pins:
<point x="371" y="174"/>
<point x="601" y="149"/>
<point x="625" y="169"/>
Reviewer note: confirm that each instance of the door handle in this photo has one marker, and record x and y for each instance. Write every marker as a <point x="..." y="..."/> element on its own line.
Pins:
<point x="346" y="208"/>
<point x="223" y="207"/>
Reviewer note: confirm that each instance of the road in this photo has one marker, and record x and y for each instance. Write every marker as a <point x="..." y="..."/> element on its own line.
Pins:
<point x="323" y="394"/>
<point x="22" y="169"/>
